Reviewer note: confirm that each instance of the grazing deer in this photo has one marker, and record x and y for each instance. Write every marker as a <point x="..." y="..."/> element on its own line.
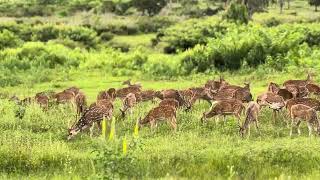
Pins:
<point x="305" y="113"/>
<point x="243" y="94"/>
<point x="201" y="93"/>
<point x="174" y="94"/>
<point x="313" y="103"/>
<point x="81" y="103"/>
<point x="169" y="102"/>
<point x="73" y="89"/>
<point x="128" y="82"/>
<point x="110" y="94"/>
<point x="225" y="107"/>
<point x="313" y="89"/>
<point x="161" y="113"/>
<point x="123" y="92"/>
<point x="273" y="101"/>
<point x="187" y="96"/>
<point x="42" y="99"/>
<point x="214" y="86"/>
<point x="64" y="97"/>
<point x="298" y="91"/>
<point x="235" y="87"/>
<point x="128" y="103"/>
<point x="252" y="114"/>
<point x="284" y="93"/>
<point x="298" y="82"/>
<point x="148" y="95"/>
<point x="94" y="114"/>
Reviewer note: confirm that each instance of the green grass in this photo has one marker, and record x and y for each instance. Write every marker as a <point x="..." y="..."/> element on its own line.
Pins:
<point x="35" y="147"/>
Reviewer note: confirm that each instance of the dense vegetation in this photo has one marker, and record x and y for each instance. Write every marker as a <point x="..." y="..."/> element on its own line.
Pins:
<point x="96" y="44"/>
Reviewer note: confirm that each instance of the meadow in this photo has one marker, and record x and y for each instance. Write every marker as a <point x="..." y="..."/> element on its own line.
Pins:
<point x="53" y="47"/>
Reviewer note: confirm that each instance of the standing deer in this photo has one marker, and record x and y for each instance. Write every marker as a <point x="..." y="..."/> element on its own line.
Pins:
<point x="313" y="89"/>
<point x="174" y="94"/>
<point x="161" y="113"/>
<point x="110" y="95"/>
<point x="81" y="103"/>
<point x="169" y="102"/>
<point x="201" y="93"/>
<point x="94" y="114"/>
<point x="273" y="101"/>
<point x="313" y="103"/>
<point x="147" y="95"/>
<point x="252" y="114"/>
<point x="128" y="103"/>
<point x="284" y="93"/>
<point x="298" y="82"/>
<point x="123" y="92"/>
<point x="42" y="100"/>
<point x="225" y="107"/>
<point x="302" y="112"/>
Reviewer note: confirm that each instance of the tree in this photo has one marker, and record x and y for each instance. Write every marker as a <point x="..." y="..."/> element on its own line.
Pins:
<point x="315" y="3"/>
<point x="255" y="5"/>
<point x="152" y="7"/>
<point x="281" y="4"/>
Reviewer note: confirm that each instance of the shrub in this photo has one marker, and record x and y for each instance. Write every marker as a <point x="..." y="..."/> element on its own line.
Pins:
<point x="8" y="40"/>
<point x="106" y="36"/>
<point x="237" y="12"/>
<point x="45" y="33"/>
<point x="80" y="34"/>
<point x="153" y="24"/>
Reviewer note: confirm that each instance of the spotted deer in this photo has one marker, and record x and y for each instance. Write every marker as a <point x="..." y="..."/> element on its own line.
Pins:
<point x="252" y="114"/>
<point x="147" y="95"/>
<point x="110" y="95"/>
<point x="300" y="112"/>
<point x="123" y="92"/>
<point x="313" y="88"/>
<point x="273" y="101"/>
<point x="64" y="97"/>
<point x="73" y="89"/>
<point x="128" y="103"/>
<point x="81" y="103"/>
<point x="214" y="86"/>
<point x="284" y="93"/>
<point x="160" y="113"/>
<point x="298" y="82"/>
<point x="201" y="93"/>
<point x="42" y="99"/>
<point x="169" y="102"/>
<point x="94" y="114"/>
<point x="174" y="94"/>
<point x="298" y="91"/>
<point x="313" y="103"/>
<point x="225" y="107"/>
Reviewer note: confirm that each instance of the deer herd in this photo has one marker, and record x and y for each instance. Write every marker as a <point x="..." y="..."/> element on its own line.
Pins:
<point x="296" y="96"/>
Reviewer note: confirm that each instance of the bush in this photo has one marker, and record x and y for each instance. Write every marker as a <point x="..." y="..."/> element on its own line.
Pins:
<point x="192" y="32"/>
<point x="237" y="12"/>
<point x="106" y="36"/>
<point x="80" y="34"/>
<point x="39" y="55"/>
<point x="8" y="40"/>
<point x="153" y="24"/>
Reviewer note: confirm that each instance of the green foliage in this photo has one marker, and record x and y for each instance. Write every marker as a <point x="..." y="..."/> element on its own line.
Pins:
<point x="237" y="12"/>
<point x="192" y="32"/>
<point x="151" y="7"/>
<point x="8" y="40"/>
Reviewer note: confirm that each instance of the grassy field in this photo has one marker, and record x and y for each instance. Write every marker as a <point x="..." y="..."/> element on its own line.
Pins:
<point x="36" y="146"/>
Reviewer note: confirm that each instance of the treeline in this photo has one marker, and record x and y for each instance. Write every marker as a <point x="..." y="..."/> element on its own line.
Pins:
<point x="193" y="8"/>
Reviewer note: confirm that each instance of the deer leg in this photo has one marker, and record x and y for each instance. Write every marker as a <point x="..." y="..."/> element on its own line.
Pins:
<point x="249" y="127"/>
<point x="173" y="123"/>
<point x="257" y="127"/>
<point x="224" y="120"/>
<point x="292" y="122"/>
<point x="310" y="128"/>
<point x="298" y="126"/>
<point x="91" y="130"/>
<point x="274" y="116"/>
